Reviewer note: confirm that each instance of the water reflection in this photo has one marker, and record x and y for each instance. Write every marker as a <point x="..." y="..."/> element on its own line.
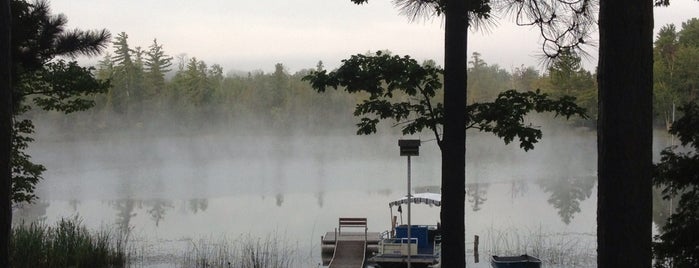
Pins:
<point x="158" y="209"/>
<point x="125" y="212"/>
<point x="518" y="189"/>
<point x="198" y="204"/>
<point x="476" y="194"/>
<point x="28" y="213"/>
<point x="74" y="203"/>
<point x="566" y="194"/>
<point x="279" y="198"/>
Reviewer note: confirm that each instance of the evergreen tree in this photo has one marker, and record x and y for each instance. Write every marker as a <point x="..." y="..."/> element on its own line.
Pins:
<point x="122" y="75"/>
<point x="157" y="64"/>
<point x="38" y="37"/>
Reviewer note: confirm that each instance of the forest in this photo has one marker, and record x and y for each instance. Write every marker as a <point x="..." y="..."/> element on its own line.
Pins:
<point x="150" y="89"/>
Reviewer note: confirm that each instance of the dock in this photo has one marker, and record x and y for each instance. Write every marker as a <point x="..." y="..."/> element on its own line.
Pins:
<point x="343" y="249"/>
<point x="348" y="254"/>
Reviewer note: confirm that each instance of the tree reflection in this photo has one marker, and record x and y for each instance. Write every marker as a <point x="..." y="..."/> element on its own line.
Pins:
<point x="74" y="204"/>
<point x="198" y="204"/>
<point x="279" y="198"/>
<point x="518" y="188"/>
<point x="158" y="208"/>
<point x="125" y="212"/>
<point x="567" y="193"/>
<point x="476" y="194"/>
<point x="29" y="213"/>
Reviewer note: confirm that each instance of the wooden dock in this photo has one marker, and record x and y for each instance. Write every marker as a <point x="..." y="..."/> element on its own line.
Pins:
<point x="348" y="254"/>
<point x="342" y="249"/>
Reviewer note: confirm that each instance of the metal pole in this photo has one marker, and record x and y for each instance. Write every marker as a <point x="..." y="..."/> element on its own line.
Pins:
<point x="409" y="226"/>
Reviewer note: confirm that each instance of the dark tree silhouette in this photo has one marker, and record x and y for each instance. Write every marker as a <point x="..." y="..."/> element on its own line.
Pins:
<point x="38" y="37"/>
<point x="625" y="80"/>
<point x="677" y="175"/>
<point x="453" y="212"/>
<point x="5" y="133"/>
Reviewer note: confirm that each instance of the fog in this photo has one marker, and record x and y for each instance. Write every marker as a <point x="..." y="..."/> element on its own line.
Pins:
<point x="235" y="180"/>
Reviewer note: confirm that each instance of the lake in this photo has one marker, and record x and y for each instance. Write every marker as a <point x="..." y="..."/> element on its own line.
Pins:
<point x="173" y="191"/>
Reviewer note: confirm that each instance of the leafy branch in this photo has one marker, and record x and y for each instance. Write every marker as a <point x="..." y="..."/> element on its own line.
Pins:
<point x="401" y="89"/>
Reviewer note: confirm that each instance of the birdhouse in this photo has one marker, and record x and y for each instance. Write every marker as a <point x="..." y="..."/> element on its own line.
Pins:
<point x="409" y="147"/>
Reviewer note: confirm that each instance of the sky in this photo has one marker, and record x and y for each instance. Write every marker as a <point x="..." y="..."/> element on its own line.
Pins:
<point x="255" y="35"/>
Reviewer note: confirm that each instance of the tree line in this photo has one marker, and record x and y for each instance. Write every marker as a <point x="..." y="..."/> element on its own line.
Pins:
<point x="149" y="88"/>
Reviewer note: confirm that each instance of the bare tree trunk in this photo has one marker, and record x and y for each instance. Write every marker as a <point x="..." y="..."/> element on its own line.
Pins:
<point x="5" y="134"/>
<point x="454" y="143"/>
<point x="624" y="202"/>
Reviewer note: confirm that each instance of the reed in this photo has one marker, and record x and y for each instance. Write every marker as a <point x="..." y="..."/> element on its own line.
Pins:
<point x="244" y="252"/>
<point x="554" y="249"/>
<point x="67" y="244"/>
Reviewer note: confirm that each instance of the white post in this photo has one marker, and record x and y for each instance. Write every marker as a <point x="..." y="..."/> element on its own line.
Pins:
<point x="409" y="226"/>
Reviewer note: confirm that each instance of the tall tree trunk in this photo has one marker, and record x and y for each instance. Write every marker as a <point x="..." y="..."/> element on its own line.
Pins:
<point x="624" y="201"/>
<point x="5" y="134"/>
<point x="454" y="143"/>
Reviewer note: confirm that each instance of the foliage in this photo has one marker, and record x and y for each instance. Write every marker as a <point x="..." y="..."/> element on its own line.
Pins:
<point x="61" y="86"/>
<point x="38" y="37"/>
<point x="676" y="55"/>
<point x="567" y="77"/>
<point x="400" y="89"/>
<point x="25" y="173"/>
<point x="677" y="174"/>
<point x="67" y="244"/>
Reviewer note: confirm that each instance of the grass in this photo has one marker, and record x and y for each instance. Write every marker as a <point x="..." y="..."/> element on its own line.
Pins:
<point x="67" y="244"/>
<point x="244" y="252"/>
<point x="554" y="249"/>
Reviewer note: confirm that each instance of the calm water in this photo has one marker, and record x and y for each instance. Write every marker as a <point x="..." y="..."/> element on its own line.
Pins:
<point x="175" y="190"/>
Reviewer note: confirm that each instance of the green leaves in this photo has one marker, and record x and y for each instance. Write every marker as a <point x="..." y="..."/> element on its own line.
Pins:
<point x="62" y="86"/>
<point x="505" y="116"/>
<point x="678" y="175"/>
<point x="400" y="89"/>
<point x="25" y="174"/>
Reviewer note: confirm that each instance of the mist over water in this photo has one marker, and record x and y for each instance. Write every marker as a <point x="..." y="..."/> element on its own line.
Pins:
<point x="172" y="187"/>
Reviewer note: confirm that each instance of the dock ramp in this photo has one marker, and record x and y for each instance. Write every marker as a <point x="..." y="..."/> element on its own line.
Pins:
<point x="350" y="252"/>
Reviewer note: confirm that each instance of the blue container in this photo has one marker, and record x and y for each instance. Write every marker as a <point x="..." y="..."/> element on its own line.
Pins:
<point x="418" y="232"/>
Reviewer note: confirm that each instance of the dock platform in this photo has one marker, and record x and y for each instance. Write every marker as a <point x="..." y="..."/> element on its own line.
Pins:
<point x="343" y="249"/>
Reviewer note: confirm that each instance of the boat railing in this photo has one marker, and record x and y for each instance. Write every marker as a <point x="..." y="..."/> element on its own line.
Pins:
<point x="385" y="235"/>
<point x="399" y="246"/>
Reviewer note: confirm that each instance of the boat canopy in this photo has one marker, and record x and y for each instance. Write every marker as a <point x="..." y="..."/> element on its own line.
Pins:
<point x="431" y="199"/>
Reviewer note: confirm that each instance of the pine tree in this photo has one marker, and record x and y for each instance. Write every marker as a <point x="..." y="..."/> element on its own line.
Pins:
<point x="157" y="64"/>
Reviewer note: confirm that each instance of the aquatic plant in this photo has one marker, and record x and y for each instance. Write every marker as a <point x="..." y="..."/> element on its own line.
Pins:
<point x="244" y="252"/>
<point x="67" y="244"/>
<point x="554" y="249"/>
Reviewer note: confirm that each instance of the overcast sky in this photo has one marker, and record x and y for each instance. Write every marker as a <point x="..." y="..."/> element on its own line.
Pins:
<point x="256" y="34"/>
